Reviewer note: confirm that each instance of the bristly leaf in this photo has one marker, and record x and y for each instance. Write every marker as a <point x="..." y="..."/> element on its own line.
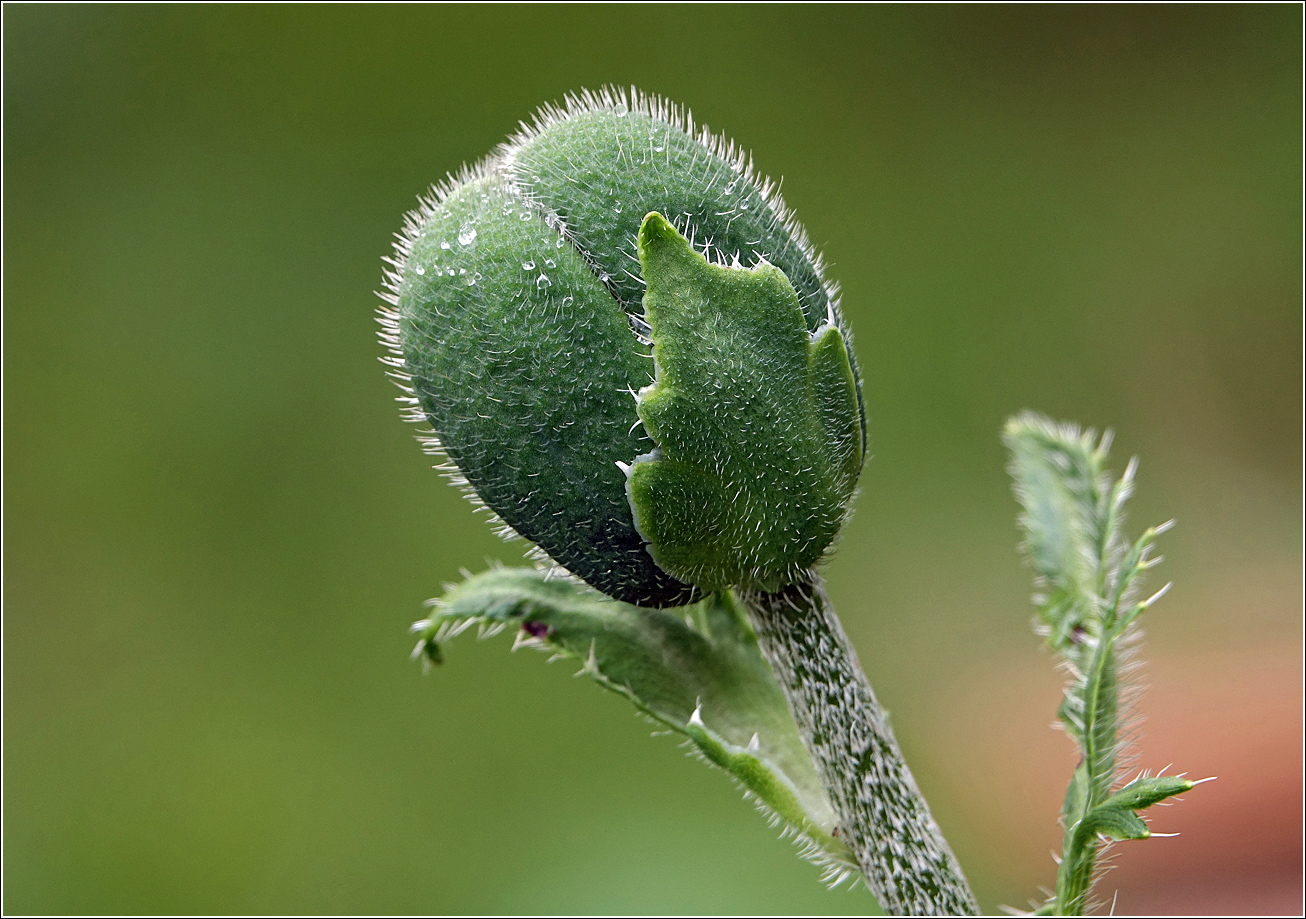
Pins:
<point x="1145" y="791"/>
<point x="756" y="502"/>
<point x="1070" y="523"/>
<point x="696" y="670"/>
<point x="1116" y="818"/>
<point x="1087" y="575"/>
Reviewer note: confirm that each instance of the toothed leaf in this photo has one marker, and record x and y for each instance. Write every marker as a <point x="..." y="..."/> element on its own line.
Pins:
<point x="755" y="419"/>
<point x="1072" y="516"/>
<point x="1060" y="482"/>
<point x="696" y="670"/>
<point x="1116" y="817"/>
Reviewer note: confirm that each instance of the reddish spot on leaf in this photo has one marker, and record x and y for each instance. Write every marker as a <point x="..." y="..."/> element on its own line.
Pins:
<point x="535" y="629"/>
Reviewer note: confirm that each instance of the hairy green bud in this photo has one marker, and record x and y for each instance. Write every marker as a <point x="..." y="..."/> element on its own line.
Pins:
<point x="661" y="415"/>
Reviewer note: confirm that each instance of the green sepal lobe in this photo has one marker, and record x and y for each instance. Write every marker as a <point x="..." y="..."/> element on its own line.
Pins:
<point x="756" y="422"/>
<point x="522" y="362"/>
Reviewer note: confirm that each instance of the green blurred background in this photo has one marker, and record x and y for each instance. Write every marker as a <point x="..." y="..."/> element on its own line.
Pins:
<point x="217" y="529"/>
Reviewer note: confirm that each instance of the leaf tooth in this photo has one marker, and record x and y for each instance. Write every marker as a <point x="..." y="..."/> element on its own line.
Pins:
<point x="696" y="718"/>
<point x="591" y="666"/>
<point x="1158" y="595"/>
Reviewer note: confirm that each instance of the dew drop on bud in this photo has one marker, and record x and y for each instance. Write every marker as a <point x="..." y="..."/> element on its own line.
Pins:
<point x="466" y="235"/>
<point x="543" y="281"/>
<point x="621" y="109"/>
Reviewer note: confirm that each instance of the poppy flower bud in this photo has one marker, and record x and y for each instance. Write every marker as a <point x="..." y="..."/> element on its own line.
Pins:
<point x="626" y="349"/>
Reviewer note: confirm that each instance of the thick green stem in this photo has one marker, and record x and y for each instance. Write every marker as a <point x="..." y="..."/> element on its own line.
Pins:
<point x="883" y="817"/>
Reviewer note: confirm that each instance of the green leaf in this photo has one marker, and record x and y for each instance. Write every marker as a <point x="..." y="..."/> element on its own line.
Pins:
<point x="1072" y="517"/>
<point x="1069" y="520"/>
<point x="755" y="419"/>
<point x="1115" y="817"/>
<point x="1145" y="791"/>
<point x="1116" y="823"/>
<point x="1096" y="705"/>
<point x="696" y="670"/>
<point x="1075" y="804"/>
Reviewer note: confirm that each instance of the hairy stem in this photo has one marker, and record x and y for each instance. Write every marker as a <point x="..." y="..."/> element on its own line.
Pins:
<point x="882" y="815"/>
<point x="1091" y="784"/>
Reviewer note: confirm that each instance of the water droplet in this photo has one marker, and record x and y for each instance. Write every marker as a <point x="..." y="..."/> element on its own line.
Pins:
<point x="466" y="235"/>
<point x="744" y="206"/>
<point x="528" y="265"/>
<point x="658" y="149"/>
<point x="525" y="215"/>
<point x="616" y="208"/>
<point x="471" y="281"/>
<point x="621" y="109"/>
<point x="730" y="187"/>
<point x="444" y="244"/>
<point x="543" y="281"/>
<point x="462" y="270"/>
<point x="421" y="270"/>
<point x="567" y="301"/>
<point x="451" y="272"/>
<point x="550" y="263"/>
